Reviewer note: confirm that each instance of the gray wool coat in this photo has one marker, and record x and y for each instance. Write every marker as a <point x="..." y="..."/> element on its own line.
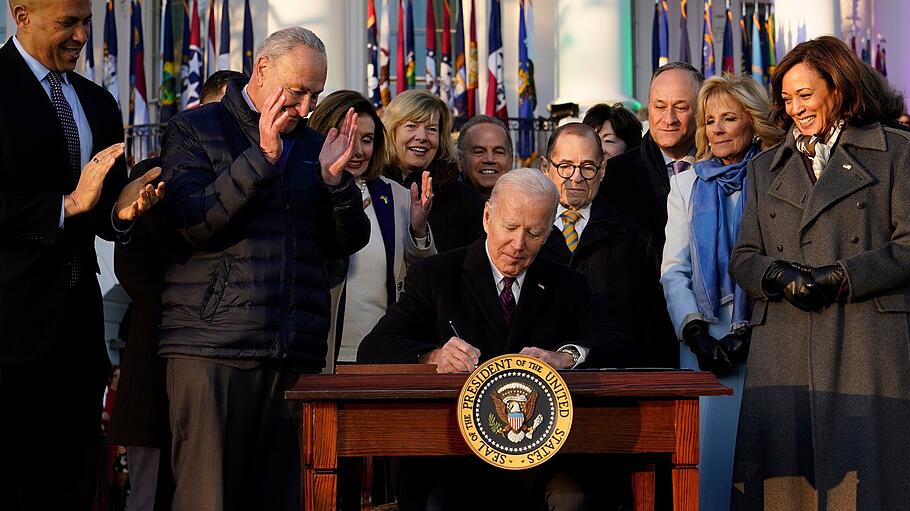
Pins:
<point x="825" y="421"/>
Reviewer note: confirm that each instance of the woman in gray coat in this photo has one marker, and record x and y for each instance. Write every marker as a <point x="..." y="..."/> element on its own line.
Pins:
<point x="824" y="248"/>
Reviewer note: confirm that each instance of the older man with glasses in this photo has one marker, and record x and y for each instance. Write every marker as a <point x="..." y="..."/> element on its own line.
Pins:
<point x="596" y="240"/>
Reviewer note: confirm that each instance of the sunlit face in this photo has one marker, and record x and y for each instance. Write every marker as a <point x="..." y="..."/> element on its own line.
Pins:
<point x="486" y="156"/>
<point x="575" y="192"/>
<point x="54" y="32"/>
<point x="808" y="99"/>
<point x="612" y="145"/>
<point x="671" y="112"/>
<point x="363" y="146"/>
<point x="517" y="227"/>
<point x="728" y="127"/>
<point x="300" y="74"/>
<point x="416" y="144"/>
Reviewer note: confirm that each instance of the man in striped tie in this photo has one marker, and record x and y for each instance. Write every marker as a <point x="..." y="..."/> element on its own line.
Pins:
<point x="598" y="241"/>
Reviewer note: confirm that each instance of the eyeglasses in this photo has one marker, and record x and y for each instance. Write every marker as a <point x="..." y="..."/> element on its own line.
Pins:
<point x="566" y="170"/>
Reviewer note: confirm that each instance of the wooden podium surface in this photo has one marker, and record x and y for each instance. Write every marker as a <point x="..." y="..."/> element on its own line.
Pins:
<point x="382" y="414"/>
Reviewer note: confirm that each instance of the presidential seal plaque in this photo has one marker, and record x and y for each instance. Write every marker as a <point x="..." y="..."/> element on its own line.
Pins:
<point x="515" y="412"/>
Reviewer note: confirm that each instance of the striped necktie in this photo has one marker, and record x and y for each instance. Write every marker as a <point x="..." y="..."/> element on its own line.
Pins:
<point x="569" y="218"/>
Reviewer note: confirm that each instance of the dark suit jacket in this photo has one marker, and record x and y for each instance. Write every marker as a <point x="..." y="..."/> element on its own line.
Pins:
<point x="141" y="415"/>
<point x="615" y="255"/>
<point x="458" y="286"/>
<point x="35" y="173"/>
<point x="636" y="184"/>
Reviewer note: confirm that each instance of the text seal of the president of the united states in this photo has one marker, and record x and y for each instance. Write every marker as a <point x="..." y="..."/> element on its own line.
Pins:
<point x="515" y="411"/>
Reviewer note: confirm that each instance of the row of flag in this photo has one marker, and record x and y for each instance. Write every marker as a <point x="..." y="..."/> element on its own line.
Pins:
<point x="453" y="78"/>
<point x="759" y="42"/>
<point x="759" y="55"/>
<point x="877" y="59"/>
<point x="180" y="87"/>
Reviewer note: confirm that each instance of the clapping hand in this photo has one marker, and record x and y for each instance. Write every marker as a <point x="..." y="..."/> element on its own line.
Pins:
<point x="139" y="195"/>
<point x="338" y="149"/>
<point x="272" y="121"/>
<point x="88" y="190"/>
<point x="421" y="205"/>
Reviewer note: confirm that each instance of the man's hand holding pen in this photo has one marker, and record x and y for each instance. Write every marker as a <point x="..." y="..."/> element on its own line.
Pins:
<point x="455" y="356"/>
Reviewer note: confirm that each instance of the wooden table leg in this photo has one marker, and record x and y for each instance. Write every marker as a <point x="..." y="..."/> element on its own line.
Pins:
<point x="644" y="485"/>
<point x="685" y="457"/>
<point x="320" y="455"/>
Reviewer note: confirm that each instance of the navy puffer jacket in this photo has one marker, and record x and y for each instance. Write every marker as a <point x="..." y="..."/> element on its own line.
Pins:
<point x="245" y="275"/>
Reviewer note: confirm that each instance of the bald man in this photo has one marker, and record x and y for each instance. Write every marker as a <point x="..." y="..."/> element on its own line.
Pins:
<point x="62" y="183"/>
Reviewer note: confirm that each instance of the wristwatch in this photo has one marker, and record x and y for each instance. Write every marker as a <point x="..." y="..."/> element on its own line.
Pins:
<point x="573" y="352"/>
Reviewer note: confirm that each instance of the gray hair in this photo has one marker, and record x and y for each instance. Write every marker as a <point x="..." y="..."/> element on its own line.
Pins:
<point x="531" y="183"/>
<point x="483" y="119"/>
<point x="284" y="41"/>
<point x="680" y="66"/>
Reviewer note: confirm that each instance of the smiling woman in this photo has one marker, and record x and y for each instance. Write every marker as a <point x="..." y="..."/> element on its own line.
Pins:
<point x="419" y="127"/>
<point x="364" y="284"/>
<point x="824" y="250"/>
<point x="709" y="313"/>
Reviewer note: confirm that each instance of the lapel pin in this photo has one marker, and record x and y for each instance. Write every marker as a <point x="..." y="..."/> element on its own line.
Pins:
<point x="384" y="199"/>
<point x="541" y="286"/>
<point x="848" y="167"/>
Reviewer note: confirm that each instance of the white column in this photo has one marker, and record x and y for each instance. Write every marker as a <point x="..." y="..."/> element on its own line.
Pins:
<point x="802" y="20"/>
<point x="593" y="51"/>
<point x="340" y="24"/>
<point x="889" y="17"/>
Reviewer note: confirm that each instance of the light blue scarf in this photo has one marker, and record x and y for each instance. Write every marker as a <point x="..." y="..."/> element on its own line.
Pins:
<point x="713" y="240"/>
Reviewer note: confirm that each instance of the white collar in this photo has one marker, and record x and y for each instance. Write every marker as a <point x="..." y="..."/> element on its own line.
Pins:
<point x="249" y="100"/>
<point x="497" y="275"/>
<point x="689" y="157"/>
<point x="585" y="211"/>
<point x="37" y="67"/>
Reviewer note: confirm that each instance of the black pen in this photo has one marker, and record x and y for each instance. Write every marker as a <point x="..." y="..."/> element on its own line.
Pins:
<point x="451" y="324"/>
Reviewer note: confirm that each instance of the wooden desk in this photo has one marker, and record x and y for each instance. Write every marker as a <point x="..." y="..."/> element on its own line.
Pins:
<point x="647" y="412"/>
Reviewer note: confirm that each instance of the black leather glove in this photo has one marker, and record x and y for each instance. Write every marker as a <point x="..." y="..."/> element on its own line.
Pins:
<point x="831" y="280"/>
<point x="736" y="345"/>
<point x="711" y="355"/>
<point x="794" y="282"/>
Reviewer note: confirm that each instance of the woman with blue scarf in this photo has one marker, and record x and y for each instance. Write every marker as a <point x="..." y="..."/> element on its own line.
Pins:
<point x="709" y="311"/>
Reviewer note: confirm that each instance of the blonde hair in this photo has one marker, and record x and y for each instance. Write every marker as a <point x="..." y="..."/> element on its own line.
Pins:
<point x="750" y="95"/>
<point x="418" y="105"/>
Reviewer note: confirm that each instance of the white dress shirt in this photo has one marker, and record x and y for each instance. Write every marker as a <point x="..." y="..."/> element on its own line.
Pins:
<point x="580" y="224"/>
<point x="85" y="130"/>
<point x="516" y="292"/>
<point x="689" y="158"/>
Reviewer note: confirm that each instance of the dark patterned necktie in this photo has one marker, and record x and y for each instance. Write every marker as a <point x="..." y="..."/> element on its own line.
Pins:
<point x="507" y="299"/>
<point x="68" y="123"/>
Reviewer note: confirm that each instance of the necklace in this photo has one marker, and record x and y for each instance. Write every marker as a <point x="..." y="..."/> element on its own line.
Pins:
<point x="363" y="193"/>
